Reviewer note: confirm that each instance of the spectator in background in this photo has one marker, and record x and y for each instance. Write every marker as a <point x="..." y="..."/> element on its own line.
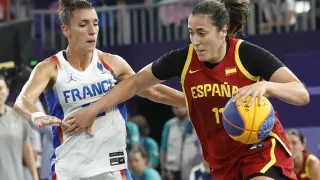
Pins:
<point x="132" y="135"/>
<point x="201" y="171"/>
<point x="279" y="14"/>
<point x="178" y="151"/>
<point x="172" y="13"/>
<point x="138" y="160"/>
<point x="14" y="140"/>
<point x="306" y="165"/>
<point x="35" y="140"/>
<point x="149" y="144"/>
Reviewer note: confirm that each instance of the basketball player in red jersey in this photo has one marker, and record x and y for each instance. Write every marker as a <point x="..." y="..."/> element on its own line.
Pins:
<point x="306" y="165"/>
<point x="212" y="69"/>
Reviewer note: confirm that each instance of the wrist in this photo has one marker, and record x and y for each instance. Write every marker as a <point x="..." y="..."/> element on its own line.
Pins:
<point x="35" y="115"/>
<point x="94" y="109"/>
<point x="269" y="87"/>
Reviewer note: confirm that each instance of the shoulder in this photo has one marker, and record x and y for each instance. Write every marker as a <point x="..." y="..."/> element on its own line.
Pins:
<point x="116" y="63"/>
<point x="47" y="67"/>
<point x="171" y="121"/>
<point x="247" y="47"/>
<point x="312" y="161"/>
<point x="150" y="140"/>
<point x="48" y="63"/>
<point x="111" y="59"/>
<point x="151" y="173"/>
<point x="131" y="124"/>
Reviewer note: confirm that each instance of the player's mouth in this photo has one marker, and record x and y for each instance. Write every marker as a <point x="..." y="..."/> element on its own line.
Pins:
<point x="200" y="51"/>
<point x="92" y="42"/>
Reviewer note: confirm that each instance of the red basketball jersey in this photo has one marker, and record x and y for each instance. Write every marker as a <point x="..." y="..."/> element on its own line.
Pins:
<point x="304" y="171"/>
<point x="207" y="91"/>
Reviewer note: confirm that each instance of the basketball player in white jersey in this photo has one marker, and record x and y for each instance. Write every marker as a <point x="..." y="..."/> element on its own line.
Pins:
<point x="71" y="80"/>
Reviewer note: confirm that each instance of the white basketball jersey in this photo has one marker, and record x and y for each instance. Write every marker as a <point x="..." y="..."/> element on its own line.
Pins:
<point x="79" y="155"/>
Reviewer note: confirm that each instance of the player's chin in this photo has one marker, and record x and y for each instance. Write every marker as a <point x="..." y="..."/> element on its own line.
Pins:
<point x="90" y="48"/>
<point x="203" y="58"/>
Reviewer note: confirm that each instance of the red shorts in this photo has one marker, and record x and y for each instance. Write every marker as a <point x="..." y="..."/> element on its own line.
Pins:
<point x="258" y="159"/>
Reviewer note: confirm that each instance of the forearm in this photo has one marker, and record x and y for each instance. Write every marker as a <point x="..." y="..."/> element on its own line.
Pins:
<point x="292" y="93"/>
<point x="28" y="156"/>
<point x="120" y="93"/>
<point x="165" y="95"/>
<point x="24" y="108"/>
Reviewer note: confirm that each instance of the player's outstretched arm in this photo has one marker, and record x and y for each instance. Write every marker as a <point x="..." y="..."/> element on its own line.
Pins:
<point x="285" y="86"/>
<point x="38" y="81"/>
<point x="158" y="93"/>
<point x="126" y="89"/>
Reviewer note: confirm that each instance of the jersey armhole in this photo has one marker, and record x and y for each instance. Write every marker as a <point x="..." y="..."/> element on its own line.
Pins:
<point x="309" y="157"/>
<point x="243" y="70"/>
<point x="105" y="65"/>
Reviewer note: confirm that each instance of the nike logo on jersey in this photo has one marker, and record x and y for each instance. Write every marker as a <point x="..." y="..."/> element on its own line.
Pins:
<point x="191" y="72"/>
<point x="71" y="78"/>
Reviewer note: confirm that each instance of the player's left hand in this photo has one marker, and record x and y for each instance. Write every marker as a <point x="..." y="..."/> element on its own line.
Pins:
<point x="258" y="89"/>
<point x="80" y="121"/>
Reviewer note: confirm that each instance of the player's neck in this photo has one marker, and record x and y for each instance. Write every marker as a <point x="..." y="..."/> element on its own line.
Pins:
<point x="221" y="53"/>
<point x="78" y="60"/>
<point x="298" y="162"/>
<point x="2" y="109"/>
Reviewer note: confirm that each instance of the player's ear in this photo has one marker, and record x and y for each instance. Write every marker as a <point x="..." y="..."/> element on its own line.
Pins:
<point x="224" y="31"/>
<point x="66" y="31"/>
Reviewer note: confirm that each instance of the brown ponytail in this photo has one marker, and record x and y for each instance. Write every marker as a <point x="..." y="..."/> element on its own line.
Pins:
<point x="238" y="15"/>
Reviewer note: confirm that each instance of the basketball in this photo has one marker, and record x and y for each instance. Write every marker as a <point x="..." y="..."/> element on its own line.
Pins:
<point x="246" y="124"/>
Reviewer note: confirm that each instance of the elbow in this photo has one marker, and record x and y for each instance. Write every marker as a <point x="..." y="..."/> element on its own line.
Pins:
<point x="304" y="98"/>
<point x="16" y="106"/>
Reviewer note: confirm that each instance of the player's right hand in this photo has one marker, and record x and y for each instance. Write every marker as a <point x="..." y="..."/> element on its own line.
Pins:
<point x="49" y="121"/>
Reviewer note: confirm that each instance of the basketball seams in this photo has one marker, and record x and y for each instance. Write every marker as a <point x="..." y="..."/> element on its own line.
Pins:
<point x="253" y="118"/>
<point x="238" y="110"/>
<point x="242" y="128"/>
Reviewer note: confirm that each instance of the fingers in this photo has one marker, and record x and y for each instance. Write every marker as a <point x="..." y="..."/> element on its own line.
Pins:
<point x="47" y="121"/>
<point x="74" y="131"/>
<point x="253" y="98"/>
<point x="260" y="99"/>
<point x="89" y="131"/>
<point x="64" y="125"/>
<point x="71" y="128"/>
<point x="70" y="121"/>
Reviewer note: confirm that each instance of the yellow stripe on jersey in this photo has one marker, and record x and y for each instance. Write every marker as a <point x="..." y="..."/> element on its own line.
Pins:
<point x="184" y="73"/>
<point x="307" y="165"/>
<point x="187" y="64"/>
<point x="273" y="159"/>
<point x="240" y="65"/>
<point x="281" y="142"/>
